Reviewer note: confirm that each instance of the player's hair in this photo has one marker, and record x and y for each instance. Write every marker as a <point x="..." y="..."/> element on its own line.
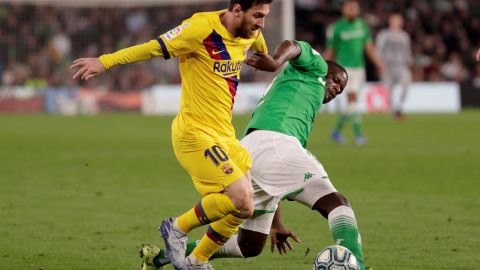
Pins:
<point x="350" y="1"/>
<point x="396" y="13"/>
<point x="247" y="4"/>
<point x="335" y="66"/>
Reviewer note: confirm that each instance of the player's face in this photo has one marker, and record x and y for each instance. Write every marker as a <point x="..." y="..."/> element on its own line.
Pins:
<point x="351" y="9"/>
<point x="253" y="19"/>
<point x="335" y="83"/>
<point x="396" y="22"/>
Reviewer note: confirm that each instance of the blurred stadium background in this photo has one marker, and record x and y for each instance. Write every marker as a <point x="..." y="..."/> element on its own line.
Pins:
<point x="85" y="192"/>
<point x="40" y="38"/>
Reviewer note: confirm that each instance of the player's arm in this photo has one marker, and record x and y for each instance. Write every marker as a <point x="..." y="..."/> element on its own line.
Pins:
<point x="279" y="234"/>
<point x="287" y="50"/>
<point x="373" y="56"/>
<point x="370" y="49"/>
<point x="329" y="53"/>
<point x="181" y="40"/>
<point x="478" y="55"/>
<point x="408" y="51"/>
<point x="91" y="67"/>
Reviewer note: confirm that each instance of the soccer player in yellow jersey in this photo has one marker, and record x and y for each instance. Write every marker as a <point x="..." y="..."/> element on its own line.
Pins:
<point x="211" y="47"/>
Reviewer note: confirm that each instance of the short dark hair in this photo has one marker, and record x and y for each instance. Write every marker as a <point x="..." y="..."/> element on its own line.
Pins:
<point x="247" y="4"/>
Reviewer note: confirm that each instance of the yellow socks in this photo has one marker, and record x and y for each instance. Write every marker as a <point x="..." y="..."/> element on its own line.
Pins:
<point x="210" y="209"/>
<point x="217" y="234"/>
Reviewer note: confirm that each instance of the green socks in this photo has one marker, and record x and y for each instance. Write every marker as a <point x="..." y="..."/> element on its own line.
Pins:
<point x="344" y="230"/>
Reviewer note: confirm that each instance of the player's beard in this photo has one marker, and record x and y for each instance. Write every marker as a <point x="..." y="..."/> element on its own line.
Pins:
<point x="246" y="31"/>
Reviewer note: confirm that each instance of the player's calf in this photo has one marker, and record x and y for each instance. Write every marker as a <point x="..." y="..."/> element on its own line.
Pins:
<point x="342" y="223"/>
<point x="251" y="243"/>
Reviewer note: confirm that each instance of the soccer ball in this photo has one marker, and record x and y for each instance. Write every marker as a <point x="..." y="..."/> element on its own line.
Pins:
<point x="335" y="258"/>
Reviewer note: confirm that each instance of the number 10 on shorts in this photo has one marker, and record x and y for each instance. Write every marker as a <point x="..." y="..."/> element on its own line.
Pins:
<point x="216" y="155"/>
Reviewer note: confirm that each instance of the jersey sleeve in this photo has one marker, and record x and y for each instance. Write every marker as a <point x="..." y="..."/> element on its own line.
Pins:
<point x="183" y="39"/>
<point x="368" y="34"/>
<point x="309" y="60"/>
<point x="132" y="54"/>
<point x="260" y="45"/>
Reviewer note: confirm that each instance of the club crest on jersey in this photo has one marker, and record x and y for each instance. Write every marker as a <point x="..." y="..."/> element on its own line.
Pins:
<point x="227" y="68"/>
<point x="227" y="169"/>
<point x="175" y="32"/>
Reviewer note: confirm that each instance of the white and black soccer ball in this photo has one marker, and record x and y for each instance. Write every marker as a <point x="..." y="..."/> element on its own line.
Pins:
<point x="335" y="258"/>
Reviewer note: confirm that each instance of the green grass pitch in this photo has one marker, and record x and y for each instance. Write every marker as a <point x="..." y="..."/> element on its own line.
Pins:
<point x="86" y="192"/>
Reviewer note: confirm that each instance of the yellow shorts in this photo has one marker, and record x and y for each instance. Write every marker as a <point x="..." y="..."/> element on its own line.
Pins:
<point x="213" y="165"/>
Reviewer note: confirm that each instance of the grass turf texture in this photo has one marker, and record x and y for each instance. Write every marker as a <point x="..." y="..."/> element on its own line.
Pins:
<point x="86" y="192"/>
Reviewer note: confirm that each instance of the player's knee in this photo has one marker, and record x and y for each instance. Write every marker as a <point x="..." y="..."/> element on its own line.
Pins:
<point x="244" y="206"/>
<point x="241" y="194"/>
<point x="329" y="202"/>
<point x="343" y="200"/>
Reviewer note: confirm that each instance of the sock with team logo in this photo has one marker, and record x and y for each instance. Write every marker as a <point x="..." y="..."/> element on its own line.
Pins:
<point x="344" y="230"/>
<point x="211" y="208"/>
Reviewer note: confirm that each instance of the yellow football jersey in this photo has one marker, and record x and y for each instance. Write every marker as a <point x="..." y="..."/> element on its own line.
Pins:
<point x="210" y="63"/>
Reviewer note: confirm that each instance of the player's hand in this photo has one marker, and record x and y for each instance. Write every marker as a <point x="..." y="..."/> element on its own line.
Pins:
<point x="279" y="238"/>
<point x="263" y="62"/>
<point x="87" y="68"/>
<point x="478" y="55"/>
<point x="381" y="69"/>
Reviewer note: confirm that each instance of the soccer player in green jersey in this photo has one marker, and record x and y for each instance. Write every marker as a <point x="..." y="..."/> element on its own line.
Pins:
<point x="348" y="40"/>
<point x="276" y="138"/>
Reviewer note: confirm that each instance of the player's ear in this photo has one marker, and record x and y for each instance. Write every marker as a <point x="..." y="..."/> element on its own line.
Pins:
<point x="237" y="10"/>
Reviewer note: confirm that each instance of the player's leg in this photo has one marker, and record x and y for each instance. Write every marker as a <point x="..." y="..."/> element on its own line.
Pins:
<point x="341" y="121"/>
<point x="388" y="82"/>
<point x="261" y="145"/>
<point x="405" y="80"/>
<point x="225" y="205"/>
<point x="320" y="195"/>
<point x="342" y="223"/>
<point x="356" y="78"/>
<point x="355" y="118"/>
<point x="245" y="244"/>
<point x="358" y="81"/>
<point x="251" y="237"/>
<point x="220" y="231"/>
<point x="253" y="233"/>
<point x="234" y="160"/>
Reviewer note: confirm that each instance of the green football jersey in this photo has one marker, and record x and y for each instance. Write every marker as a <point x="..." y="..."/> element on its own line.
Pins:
<point x="348" y="39"/>
<point x="290" y="103"/>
